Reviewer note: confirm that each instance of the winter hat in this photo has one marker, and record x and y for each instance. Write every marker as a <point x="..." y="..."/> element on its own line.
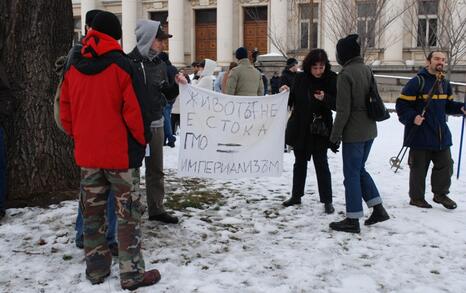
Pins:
<point x="290" y="62"/>
<point x="241" y="53"/>
<point x="90" y="15"/>
<point x="107" y="23"/>
<point x="348" y="48"/>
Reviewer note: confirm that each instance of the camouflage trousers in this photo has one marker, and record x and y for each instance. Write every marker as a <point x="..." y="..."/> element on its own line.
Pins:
<point x="129" y="209"/>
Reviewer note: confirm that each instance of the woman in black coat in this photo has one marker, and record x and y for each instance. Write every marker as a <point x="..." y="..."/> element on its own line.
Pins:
<point x="312" y="99"/>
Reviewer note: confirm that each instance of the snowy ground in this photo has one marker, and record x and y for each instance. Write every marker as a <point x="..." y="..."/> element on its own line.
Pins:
<point x="245" y="241"/>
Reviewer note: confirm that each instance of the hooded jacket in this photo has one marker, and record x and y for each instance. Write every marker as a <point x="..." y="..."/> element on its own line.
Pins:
<point x="99" y="108"/>
<point x="152" y="71"/>
<point x="206" y="79"/>
<point x="433" y="134"/>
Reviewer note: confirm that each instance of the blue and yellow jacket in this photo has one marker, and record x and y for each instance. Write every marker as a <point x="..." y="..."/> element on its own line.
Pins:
<point x="433" y="134"/>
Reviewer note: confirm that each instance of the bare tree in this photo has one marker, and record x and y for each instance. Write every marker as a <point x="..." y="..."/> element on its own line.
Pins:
<point x="439" y="25"/>
<point x="369" y="19"/>
<point x="40" y="157"/>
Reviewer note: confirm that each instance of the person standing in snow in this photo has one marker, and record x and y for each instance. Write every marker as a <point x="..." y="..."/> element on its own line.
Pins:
<point x="244" y="79"/>
<point x="312" y="99"/>
<point x="100" y="110"/>
<point x="206" y="78"/>
<point x="171" y="97"/>
<point x="289" y="73"/>
<point x="275" y="83"/>
<point x="153" y="71"/>
<point x="428" y="136"/>
<point x="357" y="131"/>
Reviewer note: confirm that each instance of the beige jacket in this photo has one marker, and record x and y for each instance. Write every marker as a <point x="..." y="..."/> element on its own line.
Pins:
<point x="245" y="80"/>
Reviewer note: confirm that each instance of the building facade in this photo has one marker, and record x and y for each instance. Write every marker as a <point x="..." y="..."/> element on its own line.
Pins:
<point x="394" y="32"/>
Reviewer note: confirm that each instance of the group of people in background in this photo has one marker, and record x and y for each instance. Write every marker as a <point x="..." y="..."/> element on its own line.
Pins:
<point x="113" y="105"/>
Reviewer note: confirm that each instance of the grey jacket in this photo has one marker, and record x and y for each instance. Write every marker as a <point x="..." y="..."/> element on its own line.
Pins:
<point x="352" y="124"/>
<point x="245" y="80"/>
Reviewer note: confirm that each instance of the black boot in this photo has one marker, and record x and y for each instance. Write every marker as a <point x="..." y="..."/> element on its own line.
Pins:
<point x="164" y="218"/>
<point x="292" y="201"/>
<point x="379" y="214"/>
<point x="328" y="207"/>
<point x="347" y="225"/>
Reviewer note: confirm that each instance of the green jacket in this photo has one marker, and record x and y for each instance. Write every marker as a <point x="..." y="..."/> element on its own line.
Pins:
<point x="245" y="80"/>
<point x="352" y="124"/>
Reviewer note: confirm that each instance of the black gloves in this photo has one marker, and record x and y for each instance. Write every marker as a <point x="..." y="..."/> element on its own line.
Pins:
<point x="334" y="146"/>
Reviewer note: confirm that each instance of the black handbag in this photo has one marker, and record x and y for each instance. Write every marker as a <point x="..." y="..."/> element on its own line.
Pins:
<point x="375" y="106"/>
<point x="318" y="126"/>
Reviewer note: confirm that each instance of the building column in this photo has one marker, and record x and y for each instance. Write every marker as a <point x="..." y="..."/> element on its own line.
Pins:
<point x="129" y="17"/>
<point x="393" y="39"/>
<point x="176" y="28"/>
<point x="278" y="25"/>
<point x="86" y="5"/>
<point x="224" y="32"/>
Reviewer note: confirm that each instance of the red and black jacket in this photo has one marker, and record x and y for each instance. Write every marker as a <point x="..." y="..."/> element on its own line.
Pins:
<point x="100" y="108"/>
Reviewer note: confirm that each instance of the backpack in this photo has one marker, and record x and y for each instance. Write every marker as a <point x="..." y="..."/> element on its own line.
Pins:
<point x="375" y="106"/>
<point x="59" y="70"/>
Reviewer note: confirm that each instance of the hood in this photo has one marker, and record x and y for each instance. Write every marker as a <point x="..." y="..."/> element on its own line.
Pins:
<point x="209" y="68"/>
<point x="97" y="44"/>
<point x="146" y="30"/>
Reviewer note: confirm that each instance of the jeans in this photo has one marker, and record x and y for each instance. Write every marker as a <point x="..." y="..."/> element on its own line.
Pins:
<point x="324" y="181"/>
<point x="2" y="170"/>
<point x="167" y="123"/>
<point x="358" y="183"/>
<point x="111" y="221"/>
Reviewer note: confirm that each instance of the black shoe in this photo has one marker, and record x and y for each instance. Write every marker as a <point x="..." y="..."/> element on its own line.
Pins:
<point x="171" y="144"/>
<point x="165" y="218"/>
<point x="347" y="225"/>
<point x="379" y="214"/>
<point x="2" y="214"/>
<point x="113" y="247"/>
<point x="420" y="203"/>
<point x="292" y="201"/>
<point x="444" y="200"/>
<point x="328" y="207"/>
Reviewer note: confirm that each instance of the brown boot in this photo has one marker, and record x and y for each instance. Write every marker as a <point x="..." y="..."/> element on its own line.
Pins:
<point x="444" y="200"/>
<point x="150" y="278"/>
<point x="420" y="203"/>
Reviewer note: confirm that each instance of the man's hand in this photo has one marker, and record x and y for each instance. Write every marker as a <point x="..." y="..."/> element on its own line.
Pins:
<point x="419" y="119"/>
<point x="464" y="110"/>
<point x="180" y="79"/>
<point x="319" y="95"/>
<point x="334" y="146"/>
<point x="284" y="88"/>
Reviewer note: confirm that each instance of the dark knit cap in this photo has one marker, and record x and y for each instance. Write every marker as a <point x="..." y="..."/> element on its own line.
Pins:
<point x="90" y="15"/>
<point x="241" y="53"/>
<point x="290" y="62"/>
<point x="348" y="48"/>
<point x="107" y="23"/>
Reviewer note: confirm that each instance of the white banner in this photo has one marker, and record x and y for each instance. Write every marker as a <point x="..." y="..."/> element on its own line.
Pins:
<point x="225" y="136"/>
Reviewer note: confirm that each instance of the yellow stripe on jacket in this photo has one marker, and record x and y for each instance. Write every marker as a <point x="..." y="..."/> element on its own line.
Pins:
<point x="435" y="97"/>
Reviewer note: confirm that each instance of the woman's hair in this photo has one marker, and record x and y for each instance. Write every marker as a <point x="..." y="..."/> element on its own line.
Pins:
<point x="232" y="65"/>
<point x="316" y="56"/>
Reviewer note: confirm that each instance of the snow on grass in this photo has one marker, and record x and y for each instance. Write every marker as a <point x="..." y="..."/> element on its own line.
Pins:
<point x="234" y="236"/>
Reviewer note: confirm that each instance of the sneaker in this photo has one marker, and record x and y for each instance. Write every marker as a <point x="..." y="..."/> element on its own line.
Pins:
<point x="113" y="247"/>
<point x="379" y="214"/>
<point x="150" y="278"/>
<point x="420" y="203"/>
<point x="347" y="225"/>
<point x="292" y="201"/>
<point x="164" y="218"/>
<point x="328" y="207"/>
<point x="444" y="200"/>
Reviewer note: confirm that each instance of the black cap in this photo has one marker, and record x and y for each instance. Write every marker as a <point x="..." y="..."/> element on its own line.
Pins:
<point x="90" y="15"/>
<point x="107" y="23"/>
<point x="241" y="53"/>
<point x="161" y="34"/>
<point x="348" y="48"/>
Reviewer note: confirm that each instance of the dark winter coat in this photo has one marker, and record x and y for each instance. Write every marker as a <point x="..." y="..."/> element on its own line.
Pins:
<point x="99" y="107"/>
<point x="433" y="134"/>
<point x="171" y="91"/>
<point x="275" y="83"/>
<point x="7" y="100"/>
<point x="352" y="123"/>
<point x="305" y="106"/>
<point x="287" y="78"/>
<point x="153" y="73"/>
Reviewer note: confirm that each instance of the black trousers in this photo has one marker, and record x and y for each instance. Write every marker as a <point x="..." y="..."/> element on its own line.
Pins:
<point x="324" y="180"/>
<point x="419" y="161"/>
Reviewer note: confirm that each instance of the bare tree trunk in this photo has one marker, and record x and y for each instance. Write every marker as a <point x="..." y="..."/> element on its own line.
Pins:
<point x="40" y="157"/>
